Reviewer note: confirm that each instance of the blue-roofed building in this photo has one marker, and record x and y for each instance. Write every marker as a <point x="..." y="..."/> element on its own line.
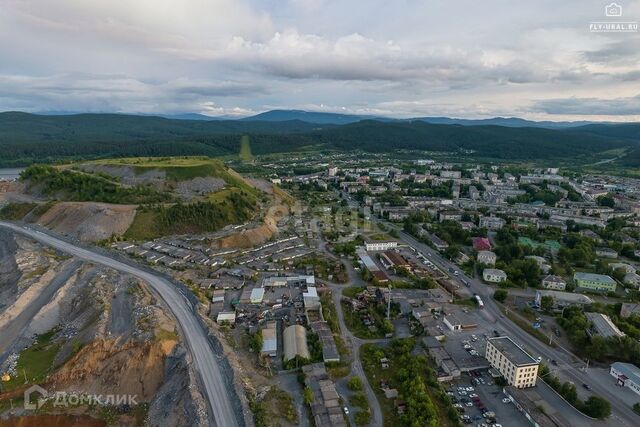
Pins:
<point x="628" y="375"/>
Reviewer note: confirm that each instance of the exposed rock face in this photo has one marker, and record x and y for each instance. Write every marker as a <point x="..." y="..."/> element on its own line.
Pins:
<point x="9" y="273"/>
<point x="89" y="221"/>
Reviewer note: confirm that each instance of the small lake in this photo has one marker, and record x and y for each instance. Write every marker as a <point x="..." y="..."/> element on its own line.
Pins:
<point x="10" y="174"/>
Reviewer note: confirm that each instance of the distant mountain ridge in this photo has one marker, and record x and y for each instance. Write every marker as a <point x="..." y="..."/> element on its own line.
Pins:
<point x="326" y="118"/>
<point x="27" y="138"/>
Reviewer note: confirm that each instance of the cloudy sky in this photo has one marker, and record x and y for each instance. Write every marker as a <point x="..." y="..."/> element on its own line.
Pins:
<point x="459" y="58"/>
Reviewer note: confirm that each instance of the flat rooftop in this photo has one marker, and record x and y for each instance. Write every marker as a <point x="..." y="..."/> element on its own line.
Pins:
<point x="512" y="351"/>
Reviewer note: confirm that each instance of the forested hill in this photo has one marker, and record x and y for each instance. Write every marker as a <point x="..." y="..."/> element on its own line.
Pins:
<point x="27" y="138"/>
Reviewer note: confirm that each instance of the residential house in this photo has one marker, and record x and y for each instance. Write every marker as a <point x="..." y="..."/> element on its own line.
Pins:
<point x="494" y="275"/>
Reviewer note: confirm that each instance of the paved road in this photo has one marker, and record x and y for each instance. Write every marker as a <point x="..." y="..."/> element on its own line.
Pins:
<point x="622" y="415"/>
<point x="356" y="364"/>
<point x="206" y="365"/>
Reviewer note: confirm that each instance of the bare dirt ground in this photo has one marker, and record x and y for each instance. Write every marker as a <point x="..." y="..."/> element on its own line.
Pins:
<point x="89" y="221"/>
<point x="111" y="336"/>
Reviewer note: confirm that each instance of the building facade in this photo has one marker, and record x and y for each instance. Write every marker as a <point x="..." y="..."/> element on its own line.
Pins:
<point x="517" y="366"/>
<point x="628" y="375"/>
<point x="594" y="282"/>
<point x="380" y="245"/>
<point x="494" y="275"/>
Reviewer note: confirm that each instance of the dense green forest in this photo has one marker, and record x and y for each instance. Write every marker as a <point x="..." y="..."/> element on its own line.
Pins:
<point x="79" y="186"/>
<point x="27" y="138"/>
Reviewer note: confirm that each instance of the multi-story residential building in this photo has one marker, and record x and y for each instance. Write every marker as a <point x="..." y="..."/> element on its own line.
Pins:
<point x="594" y="282"/>
<point x="554" y="282"/>
<point x="486" y="257"/>
<point x="517" y="366"/>
<point x="494" y="275"/>
<point x="491" y="222"/>
<point x="382" y="245"/>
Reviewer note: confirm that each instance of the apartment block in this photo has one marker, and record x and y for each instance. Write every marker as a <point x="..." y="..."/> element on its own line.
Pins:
<point x="517" y="366"/>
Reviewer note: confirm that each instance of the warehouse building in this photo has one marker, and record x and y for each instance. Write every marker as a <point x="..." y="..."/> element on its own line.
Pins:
<point x="295" y="343"/>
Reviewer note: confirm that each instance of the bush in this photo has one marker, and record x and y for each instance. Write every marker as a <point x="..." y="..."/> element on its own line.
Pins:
<point x="355" y="384"/>
<point x="596" y="407"/>
<point x="363" y="418"/>
<point x="500" y="295"/>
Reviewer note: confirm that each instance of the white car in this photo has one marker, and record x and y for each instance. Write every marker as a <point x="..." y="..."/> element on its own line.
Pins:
<point x="470" y="389"/>
<point x="346" y="410"/>
<point x="506" y="400"/>
<point x="472" y="395"/>
<point x="462" y="393"/>
<point x="469" y="404"/>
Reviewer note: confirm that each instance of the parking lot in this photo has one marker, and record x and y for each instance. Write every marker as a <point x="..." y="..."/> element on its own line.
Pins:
<point x="482" y="403"/>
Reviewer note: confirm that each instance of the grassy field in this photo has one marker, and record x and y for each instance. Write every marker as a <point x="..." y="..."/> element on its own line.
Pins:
<point x="35" y="362"/>
<point x="143" y="226"/>
<point x="16" y="211"/>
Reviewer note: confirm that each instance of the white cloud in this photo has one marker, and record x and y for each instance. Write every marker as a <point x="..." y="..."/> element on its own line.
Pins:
<point x="398" y="58"/>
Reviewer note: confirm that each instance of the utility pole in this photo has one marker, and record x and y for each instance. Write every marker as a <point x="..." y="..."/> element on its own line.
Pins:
<point x="389" y="305"/>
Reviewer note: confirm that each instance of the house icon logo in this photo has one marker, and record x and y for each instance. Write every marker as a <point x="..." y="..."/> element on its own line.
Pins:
<point x="613" y="9"/>
<point x="39" y="394"/>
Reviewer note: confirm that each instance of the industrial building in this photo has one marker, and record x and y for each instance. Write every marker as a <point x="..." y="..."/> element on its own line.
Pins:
<point x="269" y="340"/>
<point x="603" y="326"/>
<point x="295" y="343"/>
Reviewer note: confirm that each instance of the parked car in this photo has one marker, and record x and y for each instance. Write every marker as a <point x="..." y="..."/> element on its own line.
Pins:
<point x="506" y="400"/>
<point x="586" y="386"/>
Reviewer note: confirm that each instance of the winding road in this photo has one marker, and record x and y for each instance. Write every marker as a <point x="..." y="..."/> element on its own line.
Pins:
<point x="204" y="358"/>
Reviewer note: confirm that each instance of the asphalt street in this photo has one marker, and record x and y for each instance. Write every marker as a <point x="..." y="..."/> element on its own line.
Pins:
<point x="621" y="413"/>
<point x="204" y="358"/>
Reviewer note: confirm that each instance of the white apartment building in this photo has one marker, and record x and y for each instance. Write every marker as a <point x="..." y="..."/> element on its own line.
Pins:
<point x="380" y="245"/>
<point x="517" y="366"/>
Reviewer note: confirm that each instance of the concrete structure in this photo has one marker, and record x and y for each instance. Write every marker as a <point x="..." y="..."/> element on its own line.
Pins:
<point x="257" y="295"/>
<point x="487" y="258"/>
<point x="459" y="322"/>
<point x="627" y="375"/>
<point x="295" y="342"/>
<point x="594" y="282"/>
<point x="269" y="340"/>
<point x="554" y="282"/>
<point x="603" y="325"/>
<point x="631" y="279"/>
<point x="629" y="309"/>
<point x="621" y="265"/>
<point x="311" y="298"/>
<point x="329" y="348"/>
<point x="494" y="275"/>
<point x="528" y="402"/>
<point x="383" y="245"/>
<point x="606" y="253"/>
<point x="564" y="298"/>
<point x="491" y="222"/>
<point x="516" y="365"/>
<point x="325" y="407"/>
<point x="227" y="317"/>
